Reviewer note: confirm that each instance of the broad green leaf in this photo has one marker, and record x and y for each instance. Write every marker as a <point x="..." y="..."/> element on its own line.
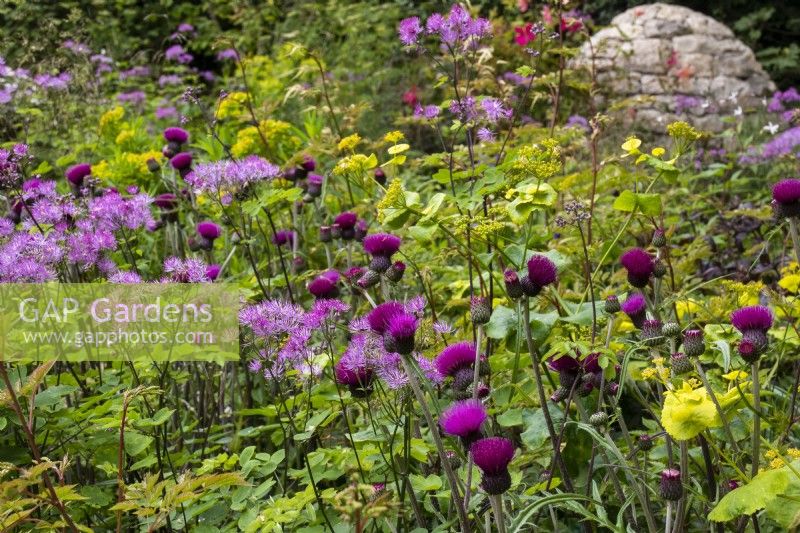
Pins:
<point x="626" y="201"/>
<point x="502" y="322"/>
<point x="754" y="496"/>
<point x="432" y="482"/>
<point x="136" y="443"/>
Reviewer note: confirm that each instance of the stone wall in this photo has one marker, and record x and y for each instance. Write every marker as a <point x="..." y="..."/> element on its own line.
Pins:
<point x="683" y="65"/>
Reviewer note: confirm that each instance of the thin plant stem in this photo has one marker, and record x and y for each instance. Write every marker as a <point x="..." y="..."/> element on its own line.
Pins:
<point x="668" y="521"/>
<point x="463" y="519"/>
<point x="559" y="461"/>
<point x="795" y="238"/>
<point x="723" y="418"/>
<point x="476" y="375"/>
<point x="756" y="420"/>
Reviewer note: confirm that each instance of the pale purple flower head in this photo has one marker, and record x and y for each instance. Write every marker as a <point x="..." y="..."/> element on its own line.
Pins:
<point x="177" y="53"/>
<point x="494" y="109"/>
<point x="409" y="30"/>
<point x="185" y="270"/>
<point x="227" y="54"/>
<point x="429" y="112"/>
<point x="464" y="419"/>
<point x="485" y="135"/>
<point x="635" y="306"/>
<point x="354" y="369"/>
<point x="124" y="277"/>
<point x="226" y="176"/>
<point x="640" y="266"/>
<point x="176" y="135"/>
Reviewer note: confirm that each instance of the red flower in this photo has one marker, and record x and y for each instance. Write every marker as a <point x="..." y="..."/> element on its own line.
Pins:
<point x="410" y="97"/>
<point x="524" y="34"/>
<point x="570" y="24"/>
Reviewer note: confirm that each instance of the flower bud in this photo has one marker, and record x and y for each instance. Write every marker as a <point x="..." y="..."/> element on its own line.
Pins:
<point x="370" y="278"/>
<point x="651" y="333"/>
<point x="693" y="344"/>
<point x="481" y="310"/>
<point x="513" y="285"/>
<point x="325" y="234"/>
<point x="612" y="305"/>
<point x="671" y="488"/>
<point x="598" y="420"/>
<point x="659" y="238"/>
<point x="680" y="364"/>
<point x="396" y="271"/>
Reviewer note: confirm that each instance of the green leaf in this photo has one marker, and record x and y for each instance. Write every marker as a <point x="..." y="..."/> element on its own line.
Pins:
<point x="432" y="482"/>
<point x="53" y="395"/>
<point x="246" y="454"/>
<point x="747" y="499"/>
<point x="136" y="443"/>
<point x="536" y="433"/>
<point x="423" y="233"/>
<point x="626" y="201"/>
<point x="502" y="322"/>
<point x="161" y="416"/>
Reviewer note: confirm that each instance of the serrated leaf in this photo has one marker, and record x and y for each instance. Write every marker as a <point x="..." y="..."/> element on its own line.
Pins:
<point x="752" y="497"/>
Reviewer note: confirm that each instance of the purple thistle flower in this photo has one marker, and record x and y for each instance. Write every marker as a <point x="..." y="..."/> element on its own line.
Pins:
<point x="492" y="455"/>
<point x="756" y="317"/>
<point x="212" y="272"/>
<point x="176" y="135"/>
<point x="541" y="272"/>
<point x="457" y="361"/>
<point x="670" y="486"/>
<point x="400" y="332"/>
<point x="635" y="306"/>
<point x="378" y="319"/>
<point x="786" y="198"/>
<point x="640" y="266"/>
<point x="283" y="236"/>
<point x="564" y="363"/>
<point x="208" y="230"/>
<point x="346" y="220"/>
<point x="181" y="161"/>
<point x="409" y="30"/>
<point x="753" y="322"/>
<point x="166" y="201"/>
<point x="324" y="287"/>
<point x="185" y="270"/>
<point x="464" y="419"/>
<point x="76" y="173"/>
<point x="381" y="244"/>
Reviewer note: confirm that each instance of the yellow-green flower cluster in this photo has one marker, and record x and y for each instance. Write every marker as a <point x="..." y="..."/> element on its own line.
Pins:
<point x="681" y="130"/>
<point x="354" y="164"/>
<point x="349" y="143"/>
<point x="539" y="161"/>
<point x="394" y="197"/>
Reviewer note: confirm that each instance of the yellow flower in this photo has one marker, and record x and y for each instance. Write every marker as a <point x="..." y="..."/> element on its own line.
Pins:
<point x="688" y="412"/>
<point x="349" y="142"/>
<point x="102" y="170"/>
<point x="735" y="375"/>
<point x="683" y="130"/>
<point x="394" y="137"/>
<point x="631" y="145"/>
<point x="354" y="164"/>
<point x="790" y="282"/>
<point x="776" y="463"/>
<point x="540" y="161"/>
<point x="232" y="105"/>
<point x="109" y="121"/>
<point x="794" y="453"/>
<point x="770" y="454"/>
<point x="686" y="306"/>
<point x="123" y="137"/>
<point x="248" y="142"/>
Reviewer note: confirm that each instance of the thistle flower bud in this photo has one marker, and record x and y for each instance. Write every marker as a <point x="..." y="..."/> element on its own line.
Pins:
<point x="670" y="486"/>
<point x="314" y="183"/>
<point x="480" y="309"/>
<point x="380" y="176"/>
<point x="693" y="343"/>
<point x="370" y="278"/>
<point x="612" y="305"/>
<point x="612" y="388"/>
<point x="513" y="285"/>
<point x="152" y="165"/>
<point x="380" y="263"/>
<point x="559" y="395"/>
<point x="586" y="386"/>
<point x="598" y="420"/>
<point x="680" y="364"/>
<point x="396" y="271"/>
<point x="659" y="268"/>
<point x="659" y="238"/>
<point x="645" y="442"/>
<point x="671" y="330"/>
<point x="400" y="333"/>
<point x="325" y="234"/>
<point x="336" y="231"/>
<point x="651" y="333"/>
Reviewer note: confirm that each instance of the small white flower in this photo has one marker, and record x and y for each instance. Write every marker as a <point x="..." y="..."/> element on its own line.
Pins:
<point x="764" y="102"/>
<point x="706" y="104"/>
<point x="733" y="95"/>
<point x="771" y="128"/>
<point x="738" y="111"/>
